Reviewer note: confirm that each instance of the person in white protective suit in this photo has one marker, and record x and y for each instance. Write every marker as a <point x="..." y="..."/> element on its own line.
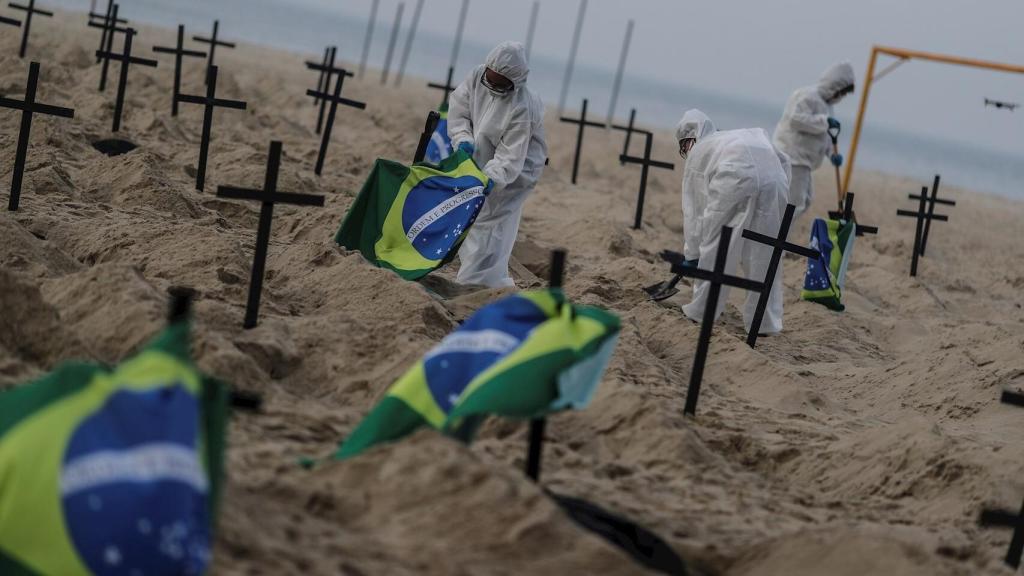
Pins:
<point x="731" y="178"/>
<point x="802" y="133"/>
<point x="494" y="116"/>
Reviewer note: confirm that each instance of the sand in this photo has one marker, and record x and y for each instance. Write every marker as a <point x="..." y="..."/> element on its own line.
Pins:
<point x="857" y="443"/>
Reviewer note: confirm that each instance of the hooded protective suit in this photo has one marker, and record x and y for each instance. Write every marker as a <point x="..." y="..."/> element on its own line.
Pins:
<point x="802" y="133"/>
<point x="508" y="134"/>
<point x="733" y="178"/>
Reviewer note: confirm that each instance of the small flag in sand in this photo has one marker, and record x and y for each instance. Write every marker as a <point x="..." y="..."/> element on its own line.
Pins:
<point x="826" y="275"/>
<point x="413" y="219"/>
<point x="118" y="469"/>
<point x="524" y="356"/>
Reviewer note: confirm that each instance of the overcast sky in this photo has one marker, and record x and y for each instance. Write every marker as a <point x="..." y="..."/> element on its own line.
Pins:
<point x="763" y="49"/>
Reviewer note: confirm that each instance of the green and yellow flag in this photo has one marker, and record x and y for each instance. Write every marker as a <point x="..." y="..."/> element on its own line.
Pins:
<point x="523" y="356"/>
<point x="112" y="471"/>
<point x="826" y="275"/>
<point x="413" y="219"/>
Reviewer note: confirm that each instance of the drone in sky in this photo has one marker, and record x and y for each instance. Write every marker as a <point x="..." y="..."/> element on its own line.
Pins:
<point x="1011" y="106"/>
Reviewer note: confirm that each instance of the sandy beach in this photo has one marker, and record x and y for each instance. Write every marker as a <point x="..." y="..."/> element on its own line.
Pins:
<point x="862" y="442"/>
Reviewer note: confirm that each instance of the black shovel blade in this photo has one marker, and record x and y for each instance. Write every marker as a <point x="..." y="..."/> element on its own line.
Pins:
<point x="662" y="290"/>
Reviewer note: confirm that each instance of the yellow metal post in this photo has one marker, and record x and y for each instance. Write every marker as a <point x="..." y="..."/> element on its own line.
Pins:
<point x="868" y="79"/>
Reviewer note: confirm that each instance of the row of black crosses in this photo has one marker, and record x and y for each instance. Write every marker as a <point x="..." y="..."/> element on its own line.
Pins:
<point x="268" y="195"/>
<point x="924" y="215"/>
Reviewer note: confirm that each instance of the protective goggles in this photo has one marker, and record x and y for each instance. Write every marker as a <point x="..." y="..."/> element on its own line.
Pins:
<point x="501" y="88"/>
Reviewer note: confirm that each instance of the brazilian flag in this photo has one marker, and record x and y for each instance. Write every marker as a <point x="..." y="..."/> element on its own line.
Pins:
<point x="826" y="274"/>
<point x="112" y="470"/>
<point x="413" y="219"/>
<point x="523" y="356"/>
<point x="440" y="145"/>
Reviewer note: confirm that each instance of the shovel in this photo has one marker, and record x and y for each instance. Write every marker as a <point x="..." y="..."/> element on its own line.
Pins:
<point x="834" y="134"/>
<point x="664" y="290"/>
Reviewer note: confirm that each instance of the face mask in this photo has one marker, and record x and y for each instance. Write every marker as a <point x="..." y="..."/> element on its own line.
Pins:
<point x="498" y="91"/>
<point x="685" y="145"/>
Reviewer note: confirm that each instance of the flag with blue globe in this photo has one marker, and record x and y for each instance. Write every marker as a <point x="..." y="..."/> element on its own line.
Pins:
<point x="825" y="277"/>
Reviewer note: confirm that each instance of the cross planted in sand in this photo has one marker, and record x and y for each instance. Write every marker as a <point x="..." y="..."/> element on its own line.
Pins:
<point x="583" y="123"/>
<point x="10" y="21"/>
<point x="629" y="129"/>
<point x="29" y="10"/>
<point x="126" y="60"/>
<point x="535" y="449"/>
<point x="334" y="99"/>
<point x="447" y="87"/>
<point x="1006" y="519"/>
<point x="210" y="101"/>
<point x="848" y="215"/>
<point x="327" y="72"/>
<point x="28" y="107"/>
<point x="932" y="201"/>
<point x="109" y="29"/>
<point x="923" y="214"/>
<point x="647" y="164"/>
<point x="716" y="278"/>
<point x="213" y="42"/>
<point x="179" y="52"/>
<point x="268" y="196"/>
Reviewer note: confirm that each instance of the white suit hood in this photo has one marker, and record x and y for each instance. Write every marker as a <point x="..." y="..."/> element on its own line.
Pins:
<point x="509" y="60"/>
<point x="695" y="124"/>
<point x="802" y="133"/>
<point x="835" y="79"/>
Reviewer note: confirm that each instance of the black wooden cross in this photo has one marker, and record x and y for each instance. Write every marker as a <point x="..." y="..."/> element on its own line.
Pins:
<point x="848" y="215"/>
<point x="921" y="215"/>
<point x="327" y="73"/>
<point x="334" y="99"/>
<point x="779" y="245"/>
<point x="9" y="21"/>
<point x="647" y="163"/>
<point x="330" y="53"/>
<point x="106" y="20"/>
<point x="629" y="129"/>
<point x="446" y="87"/>
<point x="28" y="107"/>
<point x="1004" y="518"/>
<point x="179" y="53"/>
<point x="535" y="450"/>
<point x="126" y="60"/>
<point x="428" y="132"/>
<point x="110" y="29"/>
<point x="931" y="210"/>
<point x="717" y="278"/>
<point x="29" y="10"/>
<point x="583" y="123"/>
<point x="268" y="196"/>
<point x="209" y="102"/>
<point x="213" y="42"/>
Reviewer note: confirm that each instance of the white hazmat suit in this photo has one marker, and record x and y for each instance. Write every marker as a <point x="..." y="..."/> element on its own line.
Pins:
<point x="802" y="133"/>
<point x="508" y="134"/>
<point x="733" y="178"/>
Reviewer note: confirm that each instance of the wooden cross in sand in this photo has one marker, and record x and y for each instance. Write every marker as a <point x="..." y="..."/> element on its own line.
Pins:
<point x="179" y="53"/>
<point x="330" y="53"/>
<point x="110" y="29"/>
<point x="126" y="60"/>
<point x="10" y="21"/>
<point x="922" y="215"/>
<point x="446" y="87"/>
<point x="428" y="132"/>
<point x="213" y="42"/>
<point x="327" y="73"/>
<point x="647" y="164"/>
<point x="932" y="201"/>
<point x="535" y="449"/>
<point x="28" y="107"/>
<point x="716" y="279"/>
<point x="779" y="245"/>
<point x="334" y="99"/>
<point x="29" y="10"/>
<point x="1006" y="519"/>
<point x="209" y="102"/>
<point x="629" y="129"/>
<point x="848" y="215"/>
<point x="583" y="123"/>
<point x="268" y="196"/>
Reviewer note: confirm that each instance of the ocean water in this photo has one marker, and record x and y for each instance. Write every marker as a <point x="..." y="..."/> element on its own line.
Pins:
<point x="307" y="26"/>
